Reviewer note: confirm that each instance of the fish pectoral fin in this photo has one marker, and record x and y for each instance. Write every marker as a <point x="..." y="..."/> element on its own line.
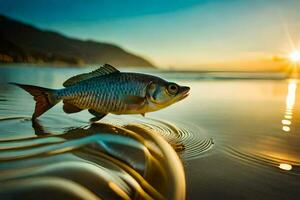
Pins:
<point x="70" y="108"/>
<point x="134" y="100"/>
<point x="98" y="115"/>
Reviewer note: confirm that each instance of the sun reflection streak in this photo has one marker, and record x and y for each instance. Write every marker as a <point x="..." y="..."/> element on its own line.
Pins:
<point x="290" y="103"/>
<point x="286" y="122"/>
<point x="291" y="96"/>
<point x="286" y="128"/>
<point x="285" y="166"/>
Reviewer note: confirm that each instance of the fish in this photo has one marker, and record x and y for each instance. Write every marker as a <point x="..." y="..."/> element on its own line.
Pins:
<point x="108" y="90"/>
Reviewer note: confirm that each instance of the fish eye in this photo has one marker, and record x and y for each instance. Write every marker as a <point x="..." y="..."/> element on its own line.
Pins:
<point x="172" y="88"/>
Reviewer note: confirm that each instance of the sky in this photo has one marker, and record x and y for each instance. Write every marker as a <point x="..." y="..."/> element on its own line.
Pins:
<point x="190" y="34"/>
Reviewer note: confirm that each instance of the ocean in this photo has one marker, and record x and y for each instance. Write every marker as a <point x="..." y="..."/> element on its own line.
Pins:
<point x="236" y="136"/>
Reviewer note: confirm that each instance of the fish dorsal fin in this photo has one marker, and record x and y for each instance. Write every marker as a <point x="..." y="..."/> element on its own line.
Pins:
<point x="101" y="71"/>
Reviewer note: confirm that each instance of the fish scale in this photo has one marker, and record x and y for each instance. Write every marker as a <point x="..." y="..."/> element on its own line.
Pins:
<point x="107" y="92"/>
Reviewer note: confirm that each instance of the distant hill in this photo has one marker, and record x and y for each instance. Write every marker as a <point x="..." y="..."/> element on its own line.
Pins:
<point x="24" y="43"/>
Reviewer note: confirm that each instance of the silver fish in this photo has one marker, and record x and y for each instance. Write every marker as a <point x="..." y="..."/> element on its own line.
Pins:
<point x="107" y="90"/>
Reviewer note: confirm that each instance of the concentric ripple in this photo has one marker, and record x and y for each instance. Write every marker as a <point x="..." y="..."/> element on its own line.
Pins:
<point x="190" y="141"/>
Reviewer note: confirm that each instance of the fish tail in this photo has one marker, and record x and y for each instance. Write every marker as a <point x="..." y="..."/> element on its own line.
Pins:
<point x="45" y="98"/>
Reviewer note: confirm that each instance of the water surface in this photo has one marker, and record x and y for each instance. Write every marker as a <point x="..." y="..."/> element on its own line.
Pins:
<point x="235" y="137"/>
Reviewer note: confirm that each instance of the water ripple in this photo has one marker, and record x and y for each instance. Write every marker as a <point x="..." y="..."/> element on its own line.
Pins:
<point x="189" y="140"/>
<point x="256" y="159"/>
<point x="100" y="160"/>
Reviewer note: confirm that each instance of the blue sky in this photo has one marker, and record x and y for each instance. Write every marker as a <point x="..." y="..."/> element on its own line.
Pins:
<point x="190" y="33"/>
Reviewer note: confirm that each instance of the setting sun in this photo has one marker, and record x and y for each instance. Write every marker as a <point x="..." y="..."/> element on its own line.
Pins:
<point x="294" y="56"/>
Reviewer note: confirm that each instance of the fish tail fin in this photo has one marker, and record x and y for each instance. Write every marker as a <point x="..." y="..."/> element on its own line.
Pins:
<point x="45" y="98"/>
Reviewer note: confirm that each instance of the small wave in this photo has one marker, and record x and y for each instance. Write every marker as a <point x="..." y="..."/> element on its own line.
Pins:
<point x="103" y="159"/>
<point x="254" y="159"/>
<point x="15" y="118"/>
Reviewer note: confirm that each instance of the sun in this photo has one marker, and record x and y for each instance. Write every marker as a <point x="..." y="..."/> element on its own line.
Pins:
<point x="294" y="56"/>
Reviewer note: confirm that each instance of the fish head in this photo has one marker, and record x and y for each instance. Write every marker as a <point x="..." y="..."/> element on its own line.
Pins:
<point x="163" y="94"/>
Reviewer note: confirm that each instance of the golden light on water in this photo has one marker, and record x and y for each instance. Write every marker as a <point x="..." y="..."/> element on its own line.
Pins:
<point x="118" y="190"/>
<point x="290" y="103"/>
<point x="286" y="122"/>
<point x="291" y="96"/>
<point x="294" y="56"/>
<point x="286" y="128"/>
<point x="285" y="166"/>
<point x="288" y="116"/>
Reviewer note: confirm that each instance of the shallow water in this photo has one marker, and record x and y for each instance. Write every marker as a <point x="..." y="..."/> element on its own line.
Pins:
<point x="236" y="137"/>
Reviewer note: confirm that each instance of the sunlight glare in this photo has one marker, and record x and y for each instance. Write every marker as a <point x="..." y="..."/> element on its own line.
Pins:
<point x="286" y="128"/>
<point x="290" y="103"/>
<point x="291" y="96"/>
<point x="286" y="122"/>
<point x="285" y="166"/>
<point x="288" y="116"/>
<point x="294" y="56"/>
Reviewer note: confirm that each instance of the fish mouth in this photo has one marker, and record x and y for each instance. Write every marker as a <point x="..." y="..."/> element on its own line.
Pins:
<point x="184" y="93"/>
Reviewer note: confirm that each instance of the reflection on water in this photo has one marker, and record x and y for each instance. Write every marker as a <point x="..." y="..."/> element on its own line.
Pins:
<point x="285" y="166"/>
<point x="257" y="154"/>
<point x="225" y="141"/>
<point x="288" y="116"/>
<point x="290" y="103"/>
<point x="99" y="160"/>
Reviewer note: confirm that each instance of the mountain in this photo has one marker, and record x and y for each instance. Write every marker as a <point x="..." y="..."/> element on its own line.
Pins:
<point x="20" y="42"/>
